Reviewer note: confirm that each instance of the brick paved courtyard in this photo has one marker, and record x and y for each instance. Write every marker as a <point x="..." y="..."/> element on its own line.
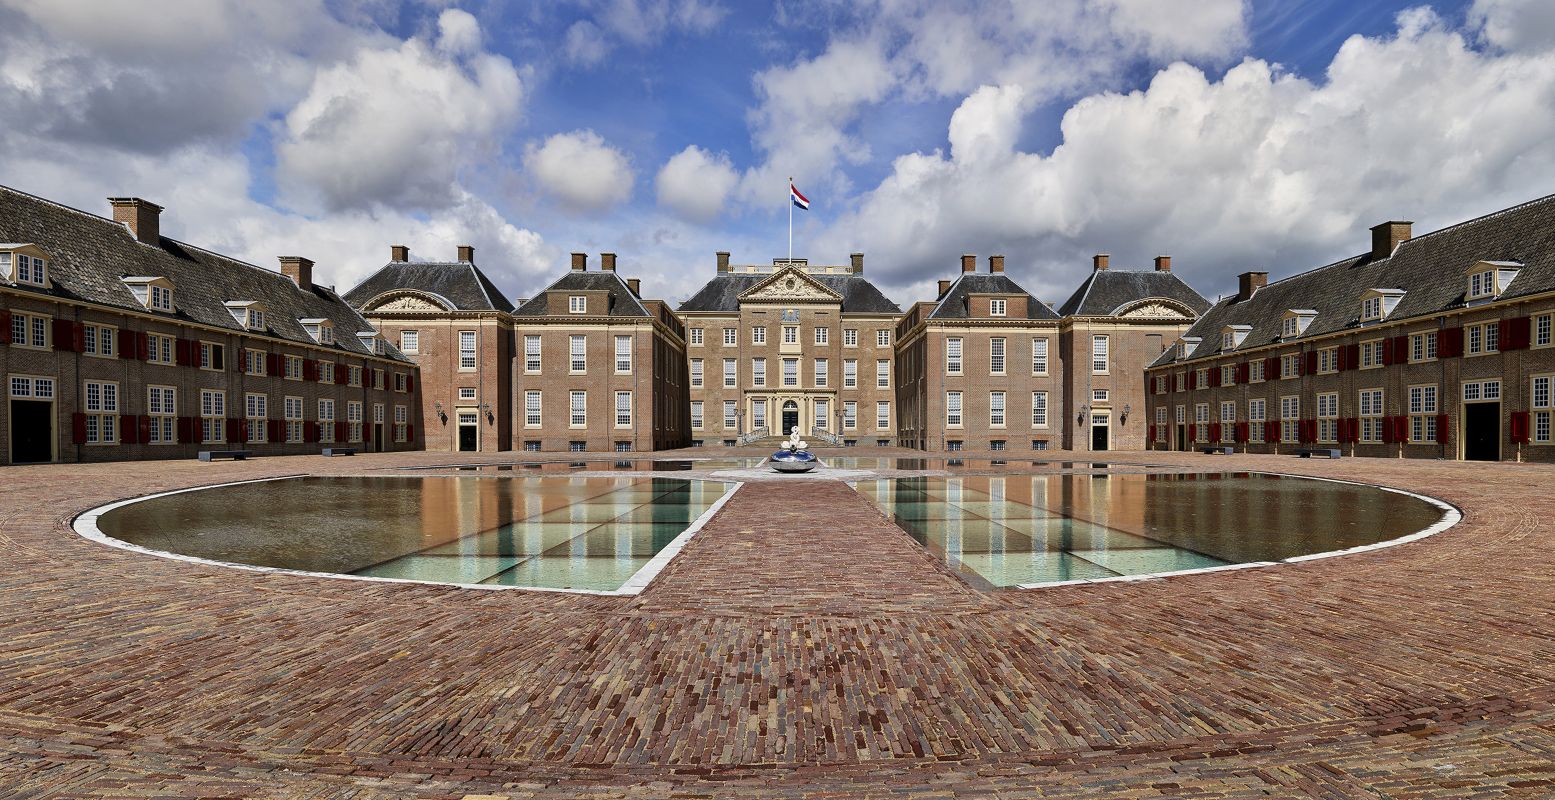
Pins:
<point x="800" y="646"/>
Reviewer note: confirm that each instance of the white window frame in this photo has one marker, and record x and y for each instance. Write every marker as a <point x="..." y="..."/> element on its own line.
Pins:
<point x="467" y="351"/>
<point x="577" y="408"/>
<point x="954" y="409"/>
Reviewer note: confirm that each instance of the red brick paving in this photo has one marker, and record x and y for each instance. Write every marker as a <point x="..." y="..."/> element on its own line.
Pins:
<point x="801" y="646"/>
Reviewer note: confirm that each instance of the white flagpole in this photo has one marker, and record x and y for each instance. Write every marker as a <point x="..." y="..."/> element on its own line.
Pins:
<point x="790" y="219"/>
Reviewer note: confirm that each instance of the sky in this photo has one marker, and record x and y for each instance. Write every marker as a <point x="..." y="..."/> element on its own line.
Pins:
<point x="1230" y="135"/>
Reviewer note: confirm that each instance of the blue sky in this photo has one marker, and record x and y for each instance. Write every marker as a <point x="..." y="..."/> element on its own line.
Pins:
<point x="1232" y="135"/>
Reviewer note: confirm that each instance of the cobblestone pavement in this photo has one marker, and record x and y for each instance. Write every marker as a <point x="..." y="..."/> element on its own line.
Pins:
<point x="800" y="646"/>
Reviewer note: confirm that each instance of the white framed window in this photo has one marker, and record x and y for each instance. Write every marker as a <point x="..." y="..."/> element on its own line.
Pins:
<point x="790" y="372"/>
<point x="790" y="334"/>
<point x="1371" y="309"/>
<point x="623" y="409"/>
<point x="1182" y="415"/>
<point x="577" y="304"/>
<point x="996" y="409"/>
<point x="696" y="372"/>
<point x="1160" y="424"/>
<point x="696" y="336"/>
<point x="952" y="409"/>
<point x="578" y="405"/>
<point x="466" y="392"/>
<point x="326" y="372"/>
<point x="1328" y="359"/>
<point x="466" y="350"/>
<point x="1227" y="421"/>
<point x="29" y="269"/>
<point x="1328" y="417"/>
<point x="731" y="336"/>
<point x="1201" y="422"/>
<point x="1039" y="409"/>
<point x="1422" y="347"/>
<point x="354" y="420"/>
<point x="882" y="373"/>
<point x="822" y="335"/>
<point x="758" y="372"/>
<point x="849" y="414"/>
<point x="162" y="407"/>
<point x="1228" y="375"/>
<point x="758" y="413"/>
<point x="996" y="307"/>
<point x="213" y="415"/>
<point x="822" y="414"/>
<point x="326" y="420"/>
<point x="849" y="373"/>
<point x="257" y="412"/>
<point x="731" y="420"/>
<point x="291" y="409"/>
<point x="822" y="371"/>
<point x="883" y="338"/>
<point x="1482" y="284"/>
<point x="577" y="351"/>
<point x="531" y="353"/>
<point x="532" y="408"/>
<point x="1290" y="416"/>
<point x="1100" y="395"/>
<point x="161" y="349"/>
<point x="882" y="415"/>
<point x="30" y="330"/>
<point x="354" y="375"/>
<point x="850" y="337"/>
<point x="100" y="340"/>
<point x="1039" y="356"/>
<point x="623" y="355"/>
<point x="1290" y="365"/>
<point x="759" y="334"/>
<point x="1422" y="414"/>
<point x="1289" y="327"/>
<point x="1256" y="417"/>
<point x="1100" y="346"/>
<point x="1255" y="371"/>
<point x="101" y="407"/>
<point x="731" y="373"/>
<point x="696" y="413"/>
<point x="1541" y="330"/>
<point x="410" y="341"/>
<point x="1475" y="391"/>
<point x="293" y="367"/>
<point x="996" y="355"/>
<point x="1371" y="353"/>
<point x="1543" y="404"/>
<point x="1483" y="338"/>
<point x="161" y="298"/>
<point x="1371" y="416"/>
<point x="953" y="355"/>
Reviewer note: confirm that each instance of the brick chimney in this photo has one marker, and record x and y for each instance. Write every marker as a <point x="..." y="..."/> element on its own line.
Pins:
<point x="723" y="261"/>
<point x="1099" y="261"/>
<point x="1163" y="263"/>
<point x="467" y="254"/>
<point x="1385" y="238"/>
<point x="607" y="262"/>
<point x="969" y="263"/>
<point x="300" y="270"/>
<point x="580" y="262"/>
<point x="141" y="217"/>
<point x="995" y="264"/>
<point x="1248" y="284"/>
<point x="399" y="253"/>
<point x="635" y="285"/>
<point x="858" y="263"/>
<point x="944" y="286"/>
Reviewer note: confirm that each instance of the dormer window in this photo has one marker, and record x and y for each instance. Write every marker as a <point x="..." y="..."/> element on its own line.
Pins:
<point x="320" y="329"/>
<point x="1488" y="279"/>
<point x="25" y="264"/>
<point x="1295" y="322"/>
<point x="1232" y="336"/>
<point x="577" y="304"/>
<point x="1377" y="304"/>
<point x="1186" y="347"/>
<point x="996" y="308"/>
<point x="372" y="341"/>
<point x="155" y="293"/>
<point x="248" y="313"/>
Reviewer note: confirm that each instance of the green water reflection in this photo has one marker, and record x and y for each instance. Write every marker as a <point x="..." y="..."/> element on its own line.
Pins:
<point x="551" y="532"/>
<point x="1007" y="530"/>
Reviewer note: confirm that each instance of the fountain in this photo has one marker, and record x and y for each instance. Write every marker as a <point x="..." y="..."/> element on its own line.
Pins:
<point x="794" y="457"/>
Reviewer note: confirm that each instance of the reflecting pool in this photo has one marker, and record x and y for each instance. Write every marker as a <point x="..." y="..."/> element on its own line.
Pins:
<point x="556" y="532"/>
<point x="1009" y="530"/>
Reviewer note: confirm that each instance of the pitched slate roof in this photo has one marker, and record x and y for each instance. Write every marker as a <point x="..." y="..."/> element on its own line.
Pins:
<point x="859" y="296"/>
<point x="954" y="304"/>
<point x="622" y="302"/>
<point x="90" y="255"/>
<point x="1432" y="270"/>
<point x="1107" y="290"/>
<point x="461" y="283"/>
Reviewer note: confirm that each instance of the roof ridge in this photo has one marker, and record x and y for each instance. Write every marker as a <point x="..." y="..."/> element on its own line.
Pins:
<point x="480" y="284"/>
<point x="949" y="290"/>
<point x="1481" y="218"/>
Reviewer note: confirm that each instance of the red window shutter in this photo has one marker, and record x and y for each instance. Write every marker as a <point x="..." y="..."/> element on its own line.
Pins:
<point x="1172" y="382"/>
<point x="1239" y="433"/>
<point x="1449" y="342"/>
<point x="1214" y="431"/>
<point x="143" y="345"/>
<point x="1387" y="430"/>
<point x="1193" y="379"/>
<point x="1355" y="430"/>
<point x="310" y="369"/>
<point x="235" y="430"/>
<point x="1271" y="368"/>
<point x="5" y="327"/>
<point x="1519" y="331"/>
<point x="241" y="364"/>
<point x="129" y="429"/>
<point x="273" y="365"/>
<point x="1342" y="358"/>
<point x="410" y="384"/>
<point x="145" y="429"/>
<point x="1150" y="436"/>
<point x="64" y="337"/>
<point x="185" y="430"/>
<point x="78" y="337"/>
<point x="199" y="430"/>
<point x="77" y="425"/>
<point x="181" y="352"/>
<point x="1353" y="356"/>
<point x="1271" y="430"/>
<point x="126" y="344"/>
<point x="410" y="433"/>
<point x="1442" y="436"/>
<point x="1193" y="431"/>
<point x="1402" y="434"/>
<point x="1311" y="367"/>
<point x="310" y="432"/>
<point x="1520" y="427"/>
<point x="340" y="430"/>
<point x="1401" y="349"/>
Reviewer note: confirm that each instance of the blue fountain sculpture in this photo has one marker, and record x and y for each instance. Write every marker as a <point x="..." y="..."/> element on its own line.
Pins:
<point x="794" y="457"/>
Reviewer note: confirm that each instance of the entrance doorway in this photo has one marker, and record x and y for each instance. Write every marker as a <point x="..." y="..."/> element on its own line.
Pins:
<point x="1100" y="428"/>
<point x="32" y="431"/>
<point x="469" y="431"/>
<point x="377" y="437"/>
<point x="1482" y="431"/>
<point x="1182" y="437"/>
<point x="790" y="417"/>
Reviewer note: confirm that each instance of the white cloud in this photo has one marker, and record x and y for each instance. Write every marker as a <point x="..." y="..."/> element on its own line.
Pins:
<point x="639" y="23"/>
<point x="696" y="183"/>
<point x="581" y="170"/>
<point x="458" y="32"/>
<point x="1260" y="168"/>
<point x="1515" y="24"/>
<point x="394" y="126"/>
<point x="584" y="44"/>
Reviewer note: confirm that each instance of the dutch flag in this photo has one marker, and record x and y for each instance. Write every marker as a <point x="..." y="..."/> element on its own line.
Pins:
<point x="800" y="201"/>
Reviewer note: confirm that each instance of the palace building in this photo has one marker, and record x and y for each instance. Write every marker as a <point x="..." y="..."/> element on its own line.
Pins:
<point x="771" y="347"/>
<point x="119" y="343"/>
<point x="1432" y="346"/>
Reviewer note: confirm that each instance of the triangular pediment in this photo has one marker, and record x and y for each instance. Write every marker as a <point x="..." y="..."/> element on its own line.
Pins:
<point x="790" y="284"/>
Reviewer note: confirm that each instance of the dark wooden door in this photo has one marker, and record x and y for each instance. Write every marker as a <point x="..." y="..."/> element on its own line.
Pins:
<point x="1482" y="432"/>
<point x="32" y="432"/>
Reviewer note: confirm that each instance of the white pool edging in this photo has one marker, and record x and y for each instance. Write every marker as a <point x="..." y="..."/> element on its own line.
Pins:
<point x="1450" y="516"/>
<point x="85" y="525"/>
